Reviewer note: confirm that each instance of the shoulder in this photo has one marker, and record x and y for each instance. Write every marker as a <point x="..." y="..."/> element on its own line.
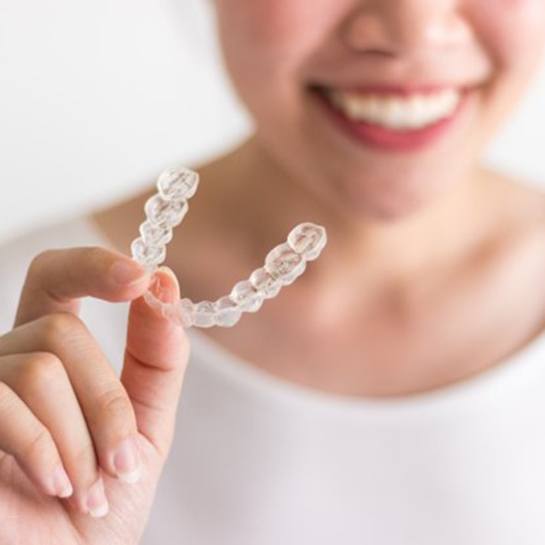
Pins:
<point x="516" y="208"/>
<point x="509" y="274"/>
<point x="519" y="217"/>
<point x="515" y="225"/>
<point x="525" y="197"/>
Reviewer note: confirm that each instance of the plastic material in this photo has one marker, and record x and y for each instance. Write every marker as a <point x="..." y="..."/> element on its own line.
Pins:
<point x="283" y="264"/>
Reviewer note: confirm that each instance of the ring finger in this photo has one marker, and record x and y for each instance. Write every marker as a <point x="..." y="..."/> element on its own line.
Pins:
<point x="41" y="382"/>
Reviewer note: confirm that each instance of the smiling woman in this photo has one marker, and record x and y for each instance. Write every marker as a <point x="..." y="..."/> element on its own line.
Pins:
<point x="390" y="395"/>
<point x="365" y="51"/>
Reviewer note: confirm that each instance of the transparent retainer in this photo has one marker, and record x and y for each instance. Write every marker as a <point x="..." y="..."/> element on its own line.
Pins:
<point x="283" y="264"/>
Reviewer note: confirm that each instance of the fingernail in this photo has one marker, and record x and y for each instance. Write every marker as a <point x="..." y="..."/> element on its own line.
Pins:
<point x="61" y="483"/>
<point x="125" y="272"/>
<point x="97" y="504"/>
<point x="165" y="289"/>
<point x="126" y="463"/>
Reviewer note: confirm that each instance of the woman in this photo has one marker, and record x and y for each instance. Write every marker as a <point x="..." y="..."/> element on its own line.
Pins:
<point x="392" y="395"/>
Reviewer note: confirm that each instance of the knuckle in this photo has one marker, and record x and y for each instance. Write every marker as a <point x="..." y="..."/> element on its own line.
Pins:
<point x="95" y="254"/>
<point x="39" y="259"/>
<point x="40" y="444"/>
<point x="113" y="405"/>
<point x="40" y="368"/>
<point x="6" y="399"/>
<point x="58" y="325"/>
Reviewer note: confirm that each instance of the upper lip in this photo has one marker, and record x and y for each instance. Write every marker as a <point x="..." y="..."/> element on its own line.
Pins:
<point x="392" y="88"/>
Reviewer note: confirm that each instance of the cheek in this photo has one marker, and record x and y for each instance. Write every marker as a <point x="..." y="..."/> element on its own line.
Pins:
<point x="275" y="35"/>
<point x="271" y="22"/>
<point x="513" y="33"/>
<point x="258" y="27"/>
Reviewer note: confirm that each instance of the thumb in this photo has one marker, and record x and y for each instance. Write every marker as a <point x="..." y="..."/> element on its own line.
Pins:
<point x="155" y="360"/>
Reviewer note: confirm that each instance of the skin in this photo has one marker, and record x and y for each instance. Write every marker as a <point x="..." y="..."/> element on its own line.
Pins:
<point x="427" y="248"/>
<point x="61" y="404"/>
<point x="420" y="243"/>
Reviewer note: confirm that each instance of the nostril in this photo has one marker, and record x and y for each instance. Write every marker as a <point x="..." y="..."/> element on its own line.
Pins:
<point x="407" y="29"/>
<point x="365" y="32"/>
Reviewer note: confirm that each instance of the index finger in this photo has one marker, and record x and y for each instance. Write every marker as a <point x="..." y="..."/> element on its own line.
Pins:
<point x="56" y="279"/>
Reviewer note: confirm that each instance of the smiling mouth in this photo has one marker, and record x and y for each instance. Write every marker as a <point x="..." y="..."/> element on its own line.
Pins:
<point x="390" y="118"/>
<point x="397" y="111"/>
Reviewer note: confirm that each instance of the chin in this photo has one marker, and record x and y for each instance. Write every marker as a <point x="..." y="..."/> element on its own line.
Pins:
<point x="389" y="199"/>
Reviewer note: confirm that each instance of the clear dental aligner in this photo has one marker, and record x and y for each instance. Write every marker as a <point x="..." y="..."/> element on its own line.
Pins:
<point x="283" y="264"/>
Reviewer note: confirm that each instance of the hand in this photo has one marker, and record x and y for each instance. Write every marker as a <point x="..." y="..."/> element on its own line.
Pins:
<point x="63" y="411"/>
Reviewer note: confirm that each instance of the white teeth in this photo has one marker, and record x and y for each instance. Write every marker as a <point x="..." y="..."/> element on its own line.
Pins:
<point x="397" y="112"/>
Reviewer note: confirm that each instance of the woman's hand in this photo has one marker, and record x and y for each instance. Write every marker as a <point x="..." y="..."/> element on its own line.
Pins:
<point x="63" y="410"/>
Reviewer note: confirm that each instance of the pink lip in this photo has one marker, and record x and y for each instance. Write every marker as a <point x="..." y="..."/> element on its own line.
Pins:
<point x="399" y="89"/>
<point x="386" y="139"/>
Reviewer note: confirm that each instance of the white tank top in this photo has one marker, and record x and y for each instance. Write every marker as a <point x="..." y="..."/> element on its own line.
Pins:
<point x="257" y="460"/>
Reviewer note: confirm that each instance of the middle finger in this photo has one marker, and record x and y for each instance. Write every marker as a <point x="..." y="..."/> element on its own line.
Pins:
<point x="103" y="399"/>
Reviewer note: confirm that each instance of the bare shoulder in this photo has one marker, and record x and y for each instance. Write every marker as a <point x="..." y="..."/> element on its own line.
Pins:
<point x="518" y="207"/>
<point x="515" y="240"/>
<point x="513" y="275"/>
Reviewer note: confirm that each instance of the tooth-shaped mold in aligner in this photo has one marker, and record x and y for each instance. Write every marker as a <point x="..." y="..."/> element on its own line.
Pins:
<point x="228" y="313"/>
<point x="308" y="240"/>
<point x="283" y="264"/>
<point x="246" y="296"/>
<point x="264" y="282"/>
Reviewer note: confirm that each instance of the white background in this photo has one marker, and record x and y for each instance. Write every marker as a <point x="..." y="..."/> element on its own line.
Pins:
<point x="98" y="97"/>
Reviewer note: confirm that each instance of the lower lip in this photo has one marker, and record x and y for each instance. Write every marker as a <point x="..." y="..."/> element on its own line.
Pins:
<point x="386" y="139"/>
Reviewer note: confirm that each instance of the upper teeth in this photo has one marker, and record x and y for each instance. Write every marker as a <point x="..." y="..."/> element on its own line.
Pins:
<point x="397" y="112"/>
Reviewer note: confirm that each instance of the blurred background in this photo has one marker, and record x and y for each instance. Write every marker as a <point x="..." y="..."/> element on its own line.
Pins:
<point x="98" y="97"/>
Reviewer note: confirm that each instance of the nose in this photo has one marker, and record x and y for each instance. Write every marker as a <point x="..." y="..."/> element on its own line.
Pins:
<point x="406" y="27"/>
